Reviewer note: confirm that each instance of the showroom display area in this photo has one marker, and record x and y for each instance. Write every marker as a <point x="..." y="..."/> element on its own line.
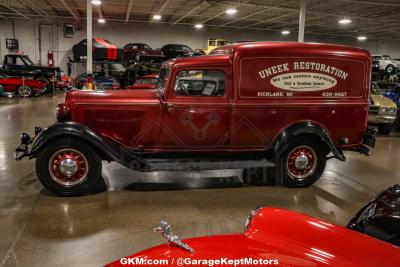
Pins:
<point x="199" y="132"/>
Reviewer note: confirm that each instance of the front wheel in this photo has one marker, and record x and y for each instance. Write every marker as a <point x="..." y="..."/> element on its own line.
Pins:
<point x="69" y="167"/>
<point x="385" y="128"/>
<point x="390" y="69"/>
<point x="24" y="91"/>
<point x="303" y="162"/>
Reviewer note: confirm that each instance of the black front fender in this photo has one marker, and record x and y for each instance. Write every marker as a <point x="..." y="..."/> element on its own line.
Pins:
<point x="109" y="149"/>
<point x="307" y="128"/>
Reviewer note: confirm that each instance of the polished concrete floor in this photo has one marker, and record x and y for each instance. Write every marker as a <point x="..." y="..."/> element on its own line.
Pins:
<point x="38" y="229"/>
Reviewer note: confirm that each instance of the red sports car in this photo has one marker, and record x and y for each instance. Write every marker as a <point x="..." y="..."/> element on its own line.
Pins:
<point x="145" y="82"/>
<point x="22" y="86"/>
<point x="279" y="237"/>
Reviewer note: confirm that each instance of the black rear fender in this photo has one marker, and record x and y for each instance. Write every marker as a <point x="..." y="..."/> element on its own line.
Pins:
<point x="311" y="130"/>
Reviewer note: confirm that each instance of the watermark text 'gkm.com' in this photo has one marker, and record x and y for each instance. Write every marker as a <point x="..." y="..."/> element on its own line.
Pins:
<point x="140" y="261"/>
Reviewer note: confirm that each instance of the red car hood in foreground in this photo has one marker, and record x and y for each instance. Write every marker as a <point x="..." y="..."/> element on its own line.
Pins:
<point x="283" y="238"/>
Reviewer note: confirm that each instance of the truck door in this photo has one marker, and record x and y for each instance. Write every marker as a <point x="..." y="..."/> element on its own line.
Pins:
<point x="14" y="66"/>
<point x="195" y="116"/>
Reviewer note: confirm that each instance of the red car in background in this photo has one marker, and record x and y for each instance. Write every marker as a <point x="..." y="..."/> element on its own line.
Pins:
<point x="145" y="82"/>
<point x="22" y="86"/>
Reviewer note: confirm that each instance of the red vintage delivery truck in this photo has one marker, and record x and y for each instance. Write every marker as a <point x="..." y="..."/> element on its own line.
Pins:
<point x="294" y="104"/>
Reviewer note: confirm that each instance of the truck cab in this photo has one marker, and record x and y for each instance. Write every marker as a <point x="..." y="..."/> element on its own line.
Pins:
<point x="22" y="66"/>
<point x="293" y="104"/>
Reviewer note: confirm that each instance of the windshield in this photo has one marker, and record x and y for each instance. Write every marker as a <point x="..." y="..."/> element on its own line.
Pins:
<point x="183" y="48"/>
<point x="138" y="45"/>
<point x="386" y="57"/>
<point x="163" y="79"/>
<point x="27" y="60"/>
<point x="147" y="81"/>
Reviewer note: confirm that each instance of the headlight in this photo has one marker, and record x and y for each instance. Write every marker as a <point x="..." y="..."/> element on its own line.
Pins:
<point x="392" y="111"/>
<point x="250" y="217"/>
<point x="382" y="111"/>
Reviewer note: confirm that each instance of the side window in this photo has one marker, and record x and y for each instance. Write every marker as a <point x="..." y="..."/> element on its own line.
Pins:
<point x="19" y="62"/>
<point x="200" y="83"/>
<point x="10" y="61"/>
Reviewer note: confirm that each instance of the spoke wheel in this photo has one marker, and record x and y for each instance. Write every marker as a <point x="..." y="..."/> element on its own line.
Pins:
<point x="301" y="162"/>
<point x="68" y="167"/>
<point x="24" y="91"/>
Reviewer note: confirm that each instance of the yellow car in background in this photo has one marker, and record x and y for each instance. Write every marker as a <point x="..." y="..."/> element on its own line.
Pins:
<point x="212" y="44"/>
<point x="382" y="110"/>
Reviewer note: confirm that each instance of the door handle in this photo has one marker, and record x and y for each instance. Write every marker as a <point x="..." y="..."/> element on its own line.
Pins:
<point x="170" y="107"/>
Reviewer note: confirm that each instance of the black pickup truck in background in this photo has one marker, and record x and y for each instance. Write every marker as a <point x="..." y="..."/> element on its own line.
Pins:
<point x="22" y="66"/>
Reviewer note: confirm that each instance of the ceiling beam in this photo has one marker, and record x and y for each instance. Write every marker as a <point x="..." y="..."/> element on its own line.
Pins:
<point x="38" y="11"/>
<point x="250" y="15"/>
<point x="128" y="11"/>
<point x="223" y="12"/>
<point x="203" y="5"/>
<point x="271" y="19"/>
<point x="76" y="15"/>
<point x="14" y="10"/>
<point x="381" y="3"/>
<point x="159" y="10"/>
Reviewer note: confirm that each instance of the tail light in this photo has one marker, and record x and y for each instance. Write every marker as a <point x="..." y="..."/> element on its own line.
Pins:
<point x="62" y="112"/>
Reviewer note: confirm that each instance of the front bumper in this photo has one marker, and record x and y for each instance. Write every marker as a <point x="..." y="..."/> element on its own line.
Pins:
<point x="23" y="150"/>
<point x="377" y="119"/>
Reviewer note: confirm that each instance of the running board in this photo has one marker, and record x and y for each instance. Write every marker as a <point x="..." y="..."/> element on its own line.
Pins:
<point x="205" y="164"/>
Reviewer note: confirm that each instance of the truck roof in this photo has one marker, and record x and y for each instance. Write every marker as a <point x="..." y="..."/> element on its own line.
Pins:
<point x="223" y="55"/>
<point x="255" y="49"/>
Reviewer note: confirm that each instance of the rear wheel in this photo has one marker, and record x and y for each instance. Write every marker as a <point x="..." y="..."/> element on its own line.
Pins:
<point x="303" y="162"/>
<point x="24" y="91"/>
<point x="385" y="128"/>
<point x="390" y="69"/>
<point x="69" y="167"/>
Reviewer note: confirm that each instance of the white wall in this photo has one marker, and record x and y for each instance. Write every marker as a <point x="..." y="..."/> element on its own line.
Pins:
<point x="156" y="35"/>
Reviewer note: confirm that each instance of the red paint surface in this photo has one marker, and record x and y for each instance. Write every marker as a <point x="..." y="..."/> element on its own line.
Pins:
<point x="241" y="120"/>
<point x="11" y="84"/>
<point x="292" y="238"/>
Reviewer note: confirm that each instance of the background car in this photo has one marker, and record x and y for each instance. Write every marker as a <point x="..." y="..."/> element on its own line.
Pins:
<point x="392" y="90"/>
<point x="382" y="111"/>
<point x="19" y="65"/>
<point x="178" y="50"/>
<point x="386" y="63"/>
<point x="22" y="86"/>
<point x="214" y="43"/>
<point x="145" y="82"/>
<point x="101" y="81"/>
<point x="142" y="52"/>
<point x="102" y="50"/>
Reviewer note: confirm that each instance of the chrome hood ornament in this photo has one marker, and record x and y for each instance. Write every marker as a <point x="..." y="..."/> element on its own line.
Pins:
<point x="165" y="230"/>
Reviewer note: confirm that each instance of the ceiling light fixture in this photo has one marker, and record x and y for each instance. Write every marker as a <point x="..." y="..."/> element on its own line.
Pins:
<point x="345" y="21"/>
<point x="362" y="38"/>
<point x="285" y="32"/>
<point x="231" y="11"/>
<point x="157" y="17"/>
<point x="101" y="20"/>
<point x="96" y="2"/>
<point x="198" y="26"/>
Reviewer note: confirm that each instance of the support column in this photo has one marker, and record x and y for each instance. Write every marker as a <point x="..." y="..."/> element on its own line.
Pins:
<point x="302" y="20"/>
<point x="89" y="34"/>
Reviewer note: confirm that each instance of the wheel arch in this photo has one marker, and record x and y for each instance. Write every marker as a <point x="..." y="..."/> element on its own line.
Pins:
<point x="74" y="130"/>
<point x="307" y="129"/>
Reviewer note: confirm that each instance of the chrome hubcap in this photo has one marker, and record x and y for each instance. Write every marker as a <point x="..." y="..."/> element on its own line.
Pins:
<point x="301" y="162"/>
<point x="68" y="167"/>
